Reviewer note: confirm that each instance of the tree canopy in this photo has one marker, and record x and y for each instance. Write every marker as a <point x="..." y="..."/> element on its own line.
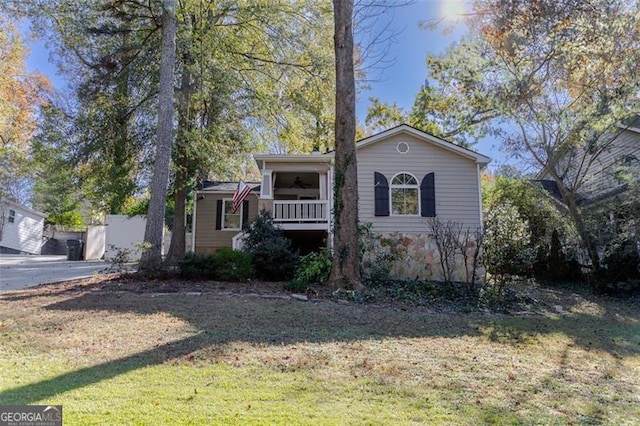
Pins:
<point x="21" y="94"/>
<point x="553" y="80"/>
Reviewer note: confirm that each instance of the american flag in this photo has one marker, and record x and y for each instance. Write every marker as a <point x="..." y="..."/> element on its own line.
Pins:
<point x="241" y="193"/>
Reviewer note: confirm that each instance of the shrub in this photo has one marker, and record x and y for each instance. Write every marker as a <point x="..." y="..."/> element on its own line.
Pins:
<point x="552" y="264"/>
<point x="195" y="265"/>
<point x="315" y="267"/>
<point x="232" y="265"/>
<point x="621" y="272"/>
<point x="273" y="256"/>
<point x="506" y="242"/>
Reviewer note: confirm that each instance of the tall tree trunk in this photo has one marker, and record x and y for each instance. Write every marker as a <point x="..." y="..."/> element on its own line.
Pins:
<point x="569" y="197"/>
<point x="345" y="271"/>
<point x="181" y="161"/>
<point x="578" y="219"/>
<point x="178" y="234"/>
<point x="151" y="259"/>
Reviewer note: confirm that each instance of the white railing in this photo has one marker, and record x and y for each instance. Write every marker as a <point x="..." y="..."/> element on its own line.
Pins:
<point x="237" y="242"/>
<point x="300" y="211"/>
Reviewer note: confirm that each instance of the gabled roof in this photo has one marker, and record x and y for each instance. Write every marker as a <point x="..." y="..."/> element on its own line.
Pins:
<point x="316" y="157"/>
<point x="426" y="137"/>
<point x="12" y="204"/>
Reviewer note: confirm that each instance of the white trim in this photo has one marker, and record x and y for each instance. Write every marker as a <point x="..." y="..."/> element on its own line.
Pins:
<point x="239" y="213"/>
<point x="403" y="186"/>
<point x="16" y="206"/>
<point x="480" y="198"/>
<point x="262" y="159"/>
<point x="404" y="144"/>
<point x="264" y="186"/>
<point x="11" y="216"/>
<point x="195" y="221"/>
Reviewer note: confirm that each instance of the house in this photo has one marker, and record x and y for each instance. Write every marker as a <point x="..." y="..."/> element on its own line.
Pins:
<point x="604" y="179"/>
<point x="405" y="178"/>
<point x="601" y="174"/>
<point x="21" y="228"/>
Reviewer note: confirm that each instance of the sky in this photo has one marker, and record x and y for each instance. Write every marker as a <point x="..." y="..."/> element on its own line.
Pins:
<point x="398" y="81"/>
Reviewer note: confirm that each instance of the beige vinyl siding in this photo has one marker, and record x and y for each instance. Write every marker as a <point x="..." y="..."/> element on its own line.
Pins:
<point x="456" y="182"/>
<point x="208" y="239"/>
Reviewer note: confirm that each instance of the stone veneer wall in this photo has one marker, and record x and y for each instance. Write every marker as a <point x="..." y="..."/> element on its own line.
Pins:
<point x="418" y="257"/>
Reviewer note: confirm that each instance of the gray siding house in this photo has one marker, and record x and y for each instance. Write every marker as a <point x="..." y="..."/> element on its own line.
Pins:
<point x="405" y="179"/>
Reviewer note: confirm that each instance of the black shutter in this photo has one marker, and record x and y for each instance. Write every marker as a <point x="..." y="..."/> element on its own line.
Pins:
<point x="428" y="196"/>
<point x="245" y="214"/>
<point x="219" y="214"/>
<point x="381" y="194"/>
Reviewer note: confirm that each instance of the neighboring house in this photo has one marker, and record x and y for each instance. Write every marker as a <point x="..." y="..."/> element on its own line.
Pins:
<point x="405" y="178"/>
<point x="604" y="175"/>
<point x="608" y="185"/>
<point x="20" y="228"/>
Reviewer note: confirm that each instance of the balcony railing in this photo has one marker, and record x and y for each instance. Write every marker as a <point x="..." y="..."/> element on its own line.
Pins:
<point x="305" y="211"/>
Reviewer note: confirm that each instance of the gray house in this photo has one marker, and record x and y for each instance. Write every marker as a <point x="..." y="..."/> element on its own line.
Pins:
<point x="405" y="178"/>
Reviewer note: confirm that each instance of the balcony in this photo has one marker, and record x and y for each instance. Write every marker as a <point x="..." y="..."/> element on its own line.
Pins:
<point x="302" y="214"/>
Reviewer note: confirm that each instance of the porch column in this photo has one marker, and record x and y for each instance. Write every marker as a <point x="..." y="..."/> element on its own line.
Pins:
<point x="322" y="181"/>
<point x="266" y="187"/>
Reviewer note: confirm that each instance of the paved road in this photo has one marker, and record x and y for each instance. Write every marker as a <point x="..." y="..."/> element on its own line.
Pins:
<point x="17" y="271"/>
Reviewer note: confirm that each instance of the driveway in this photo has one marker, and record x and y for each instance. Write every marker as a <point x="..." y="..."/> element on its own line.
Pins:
<point x="18" y="271"/>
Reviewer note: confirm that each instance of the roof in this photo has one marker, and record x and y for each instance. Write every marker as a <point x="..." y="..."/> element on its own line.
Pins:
<point x="405" y="128"/>
<point x="632" y="124"/>
<point x="15" y="205"/>
<point x="314" y="157"/>
<point x="224" y="187"/>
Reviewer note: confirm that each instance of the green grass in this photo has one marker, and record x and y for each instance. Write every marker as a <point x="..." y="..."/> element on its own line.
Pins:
<point x="140" y="358"/>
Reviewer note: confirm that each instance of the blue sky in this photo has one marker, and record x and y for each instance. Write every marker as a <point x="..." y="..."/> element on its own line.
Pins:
<point x="398" y="82"/>
<point x="401" y="81"/>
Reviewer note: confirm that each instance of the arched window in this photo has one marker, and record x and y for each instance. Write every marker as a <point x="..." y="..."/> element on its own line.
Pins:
<point x="405" y="195"/>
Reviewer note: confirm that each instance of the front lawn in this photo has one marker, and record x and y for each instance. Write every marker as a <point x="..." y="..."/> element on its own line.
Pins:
<point x="235" y="356"/>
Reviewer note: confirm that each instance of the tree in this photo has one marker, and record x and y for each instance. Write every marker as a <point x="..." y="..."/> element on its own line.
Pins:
<point x="107" y="52"/>
<point x="345" y="270"/>
<point x="151" y="259"/>
<point x="21" y="94"/>
<point x="55" y="184"/>
<point x="553" y="79"/>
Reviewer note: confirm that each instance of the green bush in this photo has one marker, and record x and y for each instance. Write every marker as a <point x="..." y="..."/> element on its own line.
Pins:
<point x="620" y="274"/>
<point x="315" y="267"/>
<point x="273" y="256"/>
<point x="232" y="265"/>
<point x="195" y="265"/>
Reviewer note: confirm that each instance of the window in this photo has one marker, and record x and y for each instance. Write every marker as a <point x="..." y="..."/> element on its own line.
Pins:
<point x="402" y="147"/>
<point x="230" y="220"/>
<point x="12" y="216"/>
<point x="404" y="195"/>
